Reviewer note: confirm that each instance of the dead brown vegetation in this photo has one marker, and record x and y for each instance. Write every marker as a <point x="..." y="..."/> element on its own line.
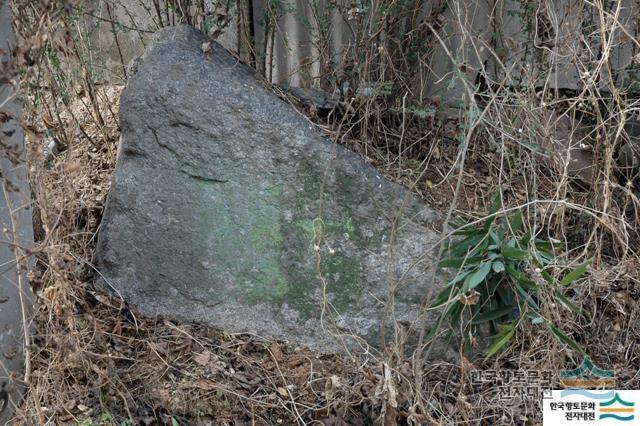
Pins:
<point x="96" y="361"/>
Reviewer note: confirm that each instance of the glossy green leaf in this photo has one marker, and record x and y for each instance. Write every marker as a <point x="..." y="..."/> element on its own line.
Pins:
<point x="545" y="257"/>
<point x="495" y="238"/>
<point x="538" y="264"/>
<point x="565" y="338"/>
<point x="514" y="253"/>
<point x="502" y="339"/>
<point x="575" y="274"/>
<point x="516" y="222"/>
<point x="527" y="297"/>
<point x="494" y="315"/>
<point x="566" y="302"/>
<point x="477" y="277"/>
<point x="547" y="276"/>
<point x="543" y="245"/>
<point x="461" y="276"/>
<point x="521" y="278"/>
<point x="495" y="206"/>
<point x="461" y="248"/>
<point x="454" y="314"/>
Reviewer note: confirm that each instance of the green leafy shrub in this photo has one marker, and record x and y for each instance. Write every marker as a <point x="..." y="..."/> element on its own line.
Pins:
<point x="494" y="287"/>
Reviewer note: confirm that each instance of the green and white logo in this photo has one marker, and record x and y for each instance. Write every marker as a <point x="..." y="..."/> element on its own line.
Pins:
<point x="587" y="375"/>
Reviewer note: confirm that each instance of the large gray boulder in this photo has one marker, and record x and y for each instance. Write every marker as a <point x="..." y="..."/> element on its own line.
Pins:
<point x="225" y="199"/>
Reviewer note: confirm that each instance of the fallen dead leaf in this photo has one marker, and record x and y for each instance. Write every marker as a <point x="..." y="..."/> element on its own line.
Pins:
<point x="202" y="358"/>
<point x="330" y="387"/>
<point x="470" y="298"/>
<point x="72" y="167"/>
<point x="276" y="351"/>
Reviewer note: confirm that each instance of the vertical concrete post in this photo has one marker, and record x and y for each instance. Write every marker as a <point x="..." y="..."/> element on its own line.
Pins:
<point x="16" y="231"/>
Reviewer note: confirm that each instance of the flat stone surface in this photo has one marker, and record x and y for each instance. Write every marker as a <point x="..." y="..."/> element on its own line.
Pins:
<point x="224" y="198"/>
<point x="15" y="221"/>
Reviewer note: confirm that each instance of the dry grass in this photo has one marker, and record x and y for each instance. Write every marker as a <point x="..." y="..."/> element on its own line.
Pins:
<point x="97" y="361"/>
